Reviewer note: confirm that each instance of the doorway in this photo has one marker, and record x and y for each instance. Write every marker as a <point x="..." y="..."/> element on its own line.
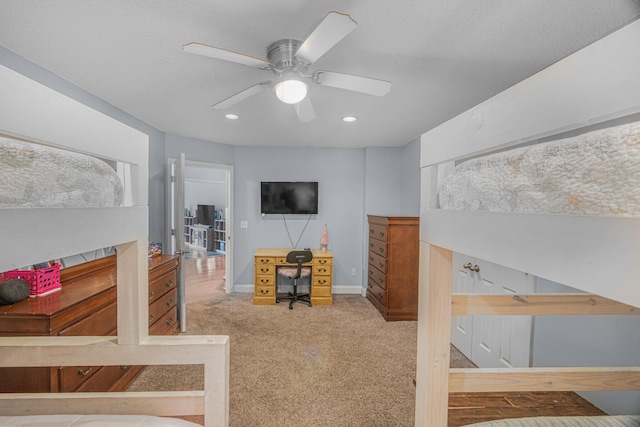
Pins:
<point x="207" y="190"/>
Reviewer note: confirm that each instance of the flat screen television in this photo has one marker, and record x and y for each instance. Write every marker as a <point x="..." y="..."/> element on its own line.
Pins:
<point x="289" y="197"/>
<point x="205" y="214"/>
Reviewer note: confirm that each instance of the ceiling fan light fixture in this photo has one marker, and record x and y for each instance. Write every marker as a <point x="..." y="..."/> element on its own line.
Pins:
<point x="291" y="91"/>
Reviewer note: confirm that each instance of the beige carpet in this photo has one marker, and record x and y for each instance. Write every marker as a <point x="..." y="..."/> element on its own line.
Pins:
<point x="341" y="365"/>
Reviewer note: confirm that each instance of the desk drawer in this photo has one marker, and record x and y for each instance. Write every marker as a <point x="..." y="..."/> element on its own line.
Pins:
<point x="321" y="291"/>
<point x="321" y="280"/>
<point x="265" y="269"/>
<point x="320" y="270"/>
<point x="264" y="280"/>
<point x="162" y="285"/>
<point x="264" y="260"/>
<point x="265" y="291"/>
<point x="378" y="247"/>
<point x="322" y="261"/>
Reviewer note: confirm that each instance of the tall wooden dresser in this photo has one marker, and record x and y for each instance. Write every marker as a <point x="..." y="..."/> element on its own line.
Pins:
<point x="393" y="266"/>
<point x="86" y="305"/>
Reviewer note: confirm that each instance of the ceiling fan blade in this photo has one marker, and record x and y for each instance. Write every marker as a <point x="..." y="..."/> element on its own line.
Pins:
<point x="352" y="82"/>
<point x="305" y="110"/>
<point x="333" y="28"/>
<point x="225" y="55"/>
<point x="241" y="96"/>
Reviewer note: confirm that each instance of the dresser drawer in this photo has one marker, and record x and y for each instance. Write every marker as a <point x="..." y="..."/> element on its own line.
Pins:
<point x="377" y="261"/>
<point x="104" y="378"/>
<point x="162" y="285"/>
<point x="100" y="323"/>
<point x="377" y="276"/>
<point x="377" y="292"/>
<point x="320" y="270"/>
<point x="378" y="247"/>
<point x="162" y="305"/>
<point x="72" y="377"/>
<point x="265" y="269"/>
<point x="378" y="232"/>
<point x="165" y="323"/>
<point x="264" y="260"/>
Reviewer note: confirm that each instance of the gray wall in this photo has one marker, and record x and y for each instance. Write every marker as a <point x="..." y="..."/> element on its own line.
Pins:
<point x="340" y="177"/>
<point x="589" y="341"/>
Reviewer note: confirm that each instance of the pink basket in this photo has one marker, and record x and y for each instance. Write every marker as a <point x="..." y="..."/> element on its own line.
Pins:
<point x="41" y="282"/>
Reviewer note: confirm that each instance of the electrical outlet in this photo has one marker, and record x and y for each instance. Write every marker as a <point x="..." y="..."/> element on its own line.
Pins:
<point x="244" y="224"/>
<point x="353" y="271"/>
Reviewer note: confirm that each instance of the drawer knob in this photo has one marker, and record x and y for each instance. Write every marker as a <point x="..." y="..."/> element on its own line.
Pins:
<point x="322" y="282"/>
<point x="84" y="373"/>
<point x="263" y="281"/>
<point x="381" y="265"/>
<point x="170" y="303"/>
<point x="322" y="261"/>
<point x="150" y="296"/>
<point x="151" y="316"/>
<point x="264" y="291"/>
<point x="124" y="367"/>
<point x="169" y="283"/>
<point x="264" y="270"/>
<point x="381" y="234"/>
<point x="170" y="321"/>
<point x="381" y="250"/>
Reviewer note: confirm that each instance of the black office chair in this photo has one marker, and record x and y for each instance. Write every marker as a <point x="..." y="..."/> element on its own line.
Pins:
<point x="295" y="273"/>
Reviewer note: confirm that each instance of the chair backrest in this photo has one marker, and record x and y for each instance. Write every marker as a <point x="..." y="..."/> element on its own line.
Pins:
<point x="299" y="258"/>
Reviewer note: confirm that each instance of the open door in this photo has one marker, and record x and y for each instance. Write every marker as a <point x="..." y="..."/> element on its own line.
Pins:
<point x="175" y="238"/>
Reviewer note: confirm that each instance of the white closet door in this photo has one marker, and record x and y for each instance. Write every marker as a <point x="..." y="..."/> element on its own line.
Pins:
<point x="500" y="341"/>
<point x="461" y="326"/>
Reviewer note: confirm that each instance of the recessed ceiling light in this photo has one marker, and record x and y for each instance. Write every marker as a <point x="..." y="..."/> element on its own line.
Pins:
<point x="349" y="119"/>
<point x="231" y="116"/>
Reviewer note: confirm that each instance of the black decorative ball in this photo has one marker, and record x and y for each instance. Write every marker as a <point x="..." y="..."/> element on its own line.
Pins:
<point x="13" y="291"/>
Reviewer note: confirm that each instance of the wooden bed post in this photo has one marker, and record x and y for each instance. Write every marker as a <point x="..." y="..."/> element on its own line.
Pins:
<point x="434" y="336"/>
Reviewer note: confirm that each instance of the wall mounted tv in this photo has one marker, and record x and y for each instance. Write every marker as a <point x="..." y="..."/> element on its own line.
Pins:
<point x="289" y="197"/>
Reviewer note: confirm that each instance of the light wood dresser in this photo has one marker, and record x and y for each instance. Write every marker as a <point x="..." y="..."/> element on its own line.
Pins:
<point x="393" y="266"/>
<point x="266" y="263"/>
<point x="86" y="306"/>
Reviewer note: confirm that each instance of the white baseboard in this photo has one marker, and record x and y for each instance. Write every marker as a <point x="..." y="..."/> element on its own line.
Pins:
<point x="355" y="290"/>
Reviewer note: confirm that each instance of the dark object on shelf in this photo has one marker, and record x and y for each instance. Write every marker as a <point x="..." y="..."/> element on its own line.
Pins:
<point x="205" y="214"/>
<point x="13" y="291"/>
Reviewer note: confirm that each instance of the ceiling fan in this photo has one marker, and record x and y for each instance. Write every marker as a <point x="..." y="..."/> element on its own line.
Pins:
<point x="289" y="60"/>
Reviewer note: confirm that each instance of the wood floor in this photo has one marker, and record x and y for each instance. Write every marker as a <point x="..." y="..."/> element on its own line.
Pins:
<point x="469" y="408"/>
<point x="205" y="279"/>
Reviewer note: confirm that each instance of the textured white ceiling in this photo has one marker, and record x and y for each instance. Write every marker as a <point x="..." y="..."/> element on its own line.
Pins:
<point x="442" y="57"/>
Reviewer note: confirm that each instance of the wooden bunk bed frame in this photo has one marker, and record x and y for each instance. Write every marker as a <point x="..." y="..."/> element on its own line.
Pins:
<point x="597" y="255"/>
<point x="39" y="114"/>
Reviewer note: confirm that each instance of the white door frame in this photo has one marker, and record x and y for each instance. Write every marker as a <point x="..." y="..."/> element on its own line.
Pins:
<point x="228" y="216"/>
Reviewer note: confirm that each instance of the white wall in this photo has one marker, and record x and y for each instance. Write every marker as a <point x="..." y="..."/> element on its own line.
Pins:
<point x="205" y="186"/>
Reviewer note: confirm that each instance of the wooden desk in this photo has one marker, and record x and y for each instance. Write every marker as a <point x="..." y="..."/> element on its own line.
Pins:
<point x="266" y="263"/>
